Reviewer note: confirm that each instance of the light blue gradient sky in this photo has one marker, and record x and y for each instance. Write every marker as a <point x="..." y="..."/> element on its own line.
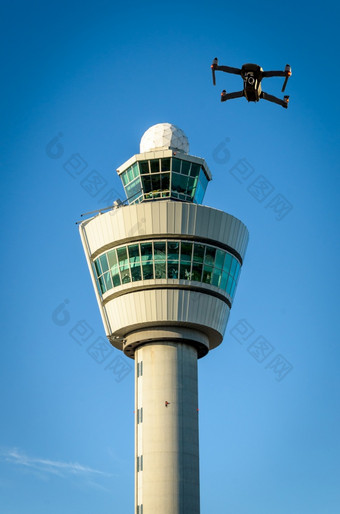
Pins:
<point x="101" y="73"/>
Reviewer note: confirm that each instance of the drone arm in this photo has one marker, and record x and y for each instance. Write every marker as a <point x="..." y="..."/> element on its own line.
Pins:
<point x="274" y="74"/>
<point x="229" y="96"/>
<point x="285" y="83"/>
<point x="213" y="75"/>
<point x="228" y="69"/>
<point x="286" y="73"/>
<point x="275" y="100"/>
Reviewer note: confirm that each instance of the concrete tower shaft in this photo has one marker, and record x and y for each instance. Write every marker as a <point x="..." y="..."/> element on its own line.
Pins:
<point x="167" y="463"/>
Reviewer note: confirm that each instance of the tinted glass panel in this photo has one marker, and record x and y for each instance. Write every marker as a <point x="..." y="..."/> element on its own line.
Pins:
<point x="135" y="169"/>
<point x="165" y="164"/>
<point x="224" y="280"/>
<point x="130" y="174"/>
<point x="176" y="165"/>
<point x="146" y="251"/>
<point x="203" y="179"/>
<point x="144" y="167"/>
<point x="103" y="262"/>
<point x="112" y="258"/>
<point x="154" y="165"/>
<point x="125" y="274"/>
<point x="107" y="280"/>
<point x="124" y="178"/>
<point x="216" y="277"/>
<point x="219" y="259"/>
<point x="209" y="255"/>
<point x="160" y="269"/>
<point x="122" y="255"/>
<point x="195" y="169"/>
<point x="229" y="284"/>
<point x="186" y="251"/>
<point x="237" y="271"/>
<point x="179" y="183"/>
<point x="134" y="253"/>
<point x="199" y="195"/>
<point x="133" y="189"/>
<point x="198" y="253"/>
<point x="97" y="266"/>
<point x="173" y="250"/>
<point x="191" y="186"/>
<point x="185" y="167"/>
<point x="147" y="271"/>
<point x="227" y="262"/>
<point x="197" y="272"/>
<point x="165" y="177"/>
<point x="159" y="249"/>
<point x="116" y="279"/>
<point x="146" y="182"/>
<point x="233" y="267"/>
<point x="102" y="284"/>
<point x="115" y="270"/>
<point x="136" y="273"/>
<point x="185" y="271"/>
<point x="207" y="274"/>
<point x="156" y="182"/>
<point x="172" y="269"/>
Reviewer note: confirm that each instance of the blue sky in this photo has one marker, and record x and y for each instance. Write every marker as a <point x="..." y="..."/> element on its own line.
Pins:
<point x="96" y="75"/>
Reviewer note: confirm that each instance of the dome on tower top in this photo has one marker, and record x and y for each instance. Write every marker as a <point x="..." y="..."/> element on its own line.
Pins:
<point x="164" y="135"/>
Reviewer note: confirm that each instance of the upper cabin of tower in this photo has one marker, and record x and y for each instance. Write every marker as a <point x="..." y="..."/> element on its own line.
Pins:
<point x="164" y="169"/>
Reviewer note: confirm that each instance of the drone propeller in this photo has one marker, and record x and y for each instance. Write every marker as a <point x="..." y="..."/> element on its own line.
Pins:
<point x="213" y="67"/>
<point x="288" y="71"/>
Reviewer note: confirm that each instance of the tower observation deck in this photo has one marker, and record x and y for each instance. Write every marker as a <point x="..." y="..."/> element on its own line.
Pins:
<point x="165" y="270"/>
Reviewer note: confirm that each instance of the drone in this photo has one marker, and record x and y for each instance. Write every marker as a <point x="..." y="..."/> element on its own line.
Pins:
<point x="252" y="75"/>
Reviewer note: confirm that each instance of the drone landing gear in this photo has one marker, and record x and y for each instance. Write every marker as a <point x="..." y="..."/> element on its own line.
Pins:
<point x="275" y="100"/>
<point x="229" y="96"/>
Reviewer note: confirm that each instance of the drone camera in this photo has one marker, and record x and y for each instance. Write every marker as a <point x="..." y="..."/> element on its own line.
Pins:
<point x="251" y="81"/>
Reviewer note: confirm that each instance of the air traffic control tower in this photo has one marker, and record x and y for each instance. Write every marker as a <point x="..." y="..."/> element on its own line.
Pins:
<point x="165" y="270"/>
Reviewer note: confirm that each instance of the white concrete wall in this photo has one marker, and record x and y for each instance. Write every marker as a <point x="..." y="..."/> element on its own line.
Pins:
<point x="159" y="307"/>
<point x="164" y="218"/>
<point x="167" y="438"/>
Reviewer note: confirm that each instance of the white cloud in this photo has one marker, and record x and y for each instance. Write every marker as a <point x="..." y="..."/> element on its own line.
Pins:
<point x="47" y="466"/>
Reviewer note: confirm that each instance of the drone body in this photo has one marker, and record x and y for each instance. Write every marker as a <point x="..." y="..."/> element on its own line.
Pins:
<point x="252" y="75"/>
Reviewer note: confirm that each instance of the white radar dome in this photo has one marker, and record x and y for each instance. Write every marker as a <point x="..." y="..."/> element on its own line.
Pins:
<point x="164" y="135"/>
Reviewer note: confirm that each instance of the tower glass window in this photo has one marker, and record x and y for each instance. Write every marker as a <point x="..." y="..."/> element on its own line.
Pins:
<point x="165" y="164"/>
<point x="154" y="165"/>
<point x="172" y="259"/>
<point x="175" y="178"/>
